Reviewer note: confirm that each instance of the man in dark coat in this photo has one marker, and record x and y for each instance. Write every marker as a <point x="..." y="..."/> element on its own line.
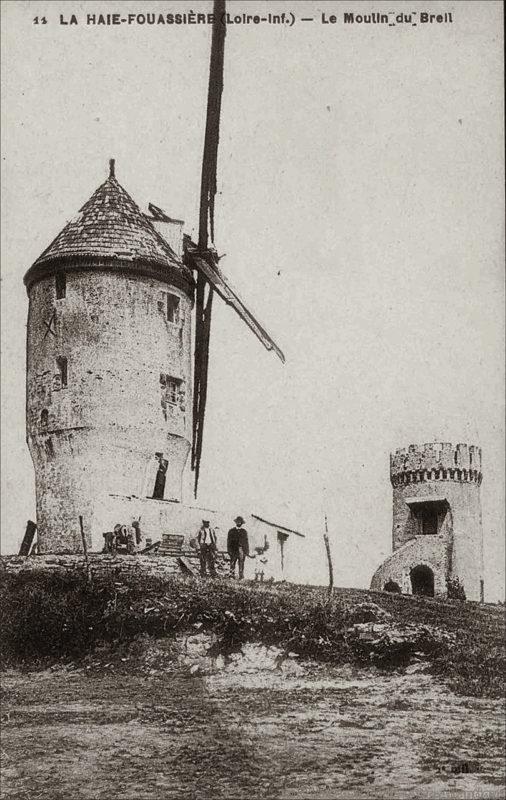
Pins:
<point x="238" y="547"/>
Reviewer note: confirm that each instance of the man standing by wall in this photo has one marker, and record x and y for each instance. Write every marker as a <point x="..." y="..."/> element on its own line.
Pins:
<point x="237" y="546"/>
<point x="206" y="539"/>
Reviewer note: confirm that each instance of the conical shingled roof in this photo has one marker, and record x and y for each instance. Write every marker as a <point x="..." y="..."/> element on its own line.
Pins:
<point x="111" y="225"/>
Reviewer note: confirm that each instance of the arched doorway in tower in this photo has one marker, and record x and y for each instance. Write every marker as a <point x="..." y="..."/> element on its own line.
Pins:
<point x="392" y="586"/>
<point x="422" y="581"/>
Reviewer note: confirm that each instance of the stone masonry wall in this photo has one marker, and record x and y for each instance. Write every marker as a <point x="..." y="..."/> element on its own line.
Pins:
<point x="101" y="431"/>
<point x="117" y="566"/>
<point x="428" y="551"/>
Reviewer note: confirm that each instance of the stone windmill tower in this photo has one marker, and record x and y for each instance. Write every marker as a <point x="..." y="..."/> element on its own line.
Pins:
<point x="115" y="395"/>
<point x="108" y="362"/>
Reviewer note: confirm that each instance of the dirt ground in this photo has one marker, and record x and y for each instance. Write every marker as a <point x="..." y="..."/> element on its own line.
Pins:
<point x="290" y="732"/>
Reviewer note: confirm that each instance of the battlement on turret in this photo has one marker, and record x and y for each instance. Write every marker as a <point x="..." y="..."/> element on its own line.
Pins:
<point x="436" y="460"/>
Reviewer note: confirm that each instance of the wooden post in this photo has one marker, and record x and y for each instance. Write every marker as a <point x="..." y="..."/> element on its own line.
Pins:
<point x="329" y="559"/>
<point x="31" y="527"/>
<point x="85" y="549"/>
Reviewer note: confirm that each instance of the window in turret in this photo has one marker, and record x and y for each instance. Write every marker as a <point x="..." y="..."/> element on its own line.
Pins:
<point x="44" y="417"/>
<point x="173" y="302"/>
<point x="61" y="285"/>
<point x="429" y="522"/>
<point x="169" y="305"/>
<point x="172" y="392"/>
<point x="49" y="448"/>
<point x="61" y="363"/>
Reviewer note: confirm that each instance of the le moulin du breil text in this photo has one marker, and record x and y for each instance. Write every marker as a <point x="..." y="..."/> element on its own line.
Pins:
<point x="391" y="18"/>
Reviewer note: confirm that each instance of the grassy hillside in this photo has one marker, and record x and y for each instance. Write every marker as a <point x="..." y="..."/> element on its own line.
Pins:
<point x="47" y="618"/>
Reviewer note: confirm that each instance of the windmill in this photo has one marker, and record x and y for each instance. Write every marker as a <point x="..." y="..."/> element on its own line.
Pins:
<point x="109" y="358"/>
<point x="202" y="257"/>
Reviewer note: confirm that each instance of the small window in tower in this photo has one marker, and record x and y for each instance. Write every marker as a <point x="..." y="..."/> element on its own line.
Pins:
<point x="429" y="522"/>
<point x="173" y="302"/>
<point x="61" y="285"/>
<point x="48" y="444"/>
<point x="44" y="417"/>
<point x="172" y="390"/>
<point x="172" y="393"/>
<point x="61" y="363"/>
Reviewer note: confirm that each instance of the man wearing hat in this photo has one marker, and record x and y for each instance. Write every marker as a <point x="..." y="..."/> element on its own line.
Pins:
<point x="206" y="540"/>
<point x="237" y="546"/>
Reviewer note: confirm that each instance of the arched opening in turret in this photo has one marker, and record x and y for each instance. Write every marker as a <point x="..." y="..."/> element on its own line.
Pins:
<point x="392" y="586"/>
<point x="422" y="581"/>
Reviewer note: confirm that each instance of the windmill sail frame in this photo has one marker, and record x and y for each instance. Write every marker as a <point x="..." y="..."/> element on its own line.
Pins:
<point x="202" y="257"/>
<point x="203" y="307"/>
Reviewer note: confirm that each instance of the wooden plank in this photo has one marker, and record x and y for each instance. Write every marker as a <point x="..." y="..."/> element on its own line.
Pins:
<point x="227" y="293"/>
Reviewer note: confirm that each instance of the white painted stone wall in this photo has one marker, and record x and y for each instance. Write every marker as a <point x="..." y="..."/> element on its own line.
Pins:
<point x="103" y="429"/>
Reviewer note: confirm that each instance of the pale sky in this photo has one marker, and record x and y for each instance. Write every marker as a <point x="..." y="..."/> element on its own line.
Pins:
<point x="361" y="211"/>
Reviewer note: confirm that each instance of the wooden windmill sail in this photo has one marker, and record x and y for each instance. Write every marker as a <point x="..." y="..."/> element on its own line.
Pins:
<point x="202" y="257"/>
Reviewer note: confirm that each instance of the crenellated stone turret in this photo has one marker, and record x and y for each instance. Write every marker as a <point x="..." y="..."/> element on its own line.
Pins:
<point x="437" y="530"/>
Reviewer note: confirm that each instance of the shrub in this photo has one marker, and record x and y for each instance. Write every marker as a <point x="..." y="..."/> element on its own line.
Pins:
<point x="45" y="618"/>
<point x="454" y="589"/>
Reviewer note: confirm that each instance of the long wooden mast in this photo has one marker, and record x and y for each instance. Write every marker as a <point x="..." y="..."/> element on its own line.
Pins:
<point x="203" y="304"/>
